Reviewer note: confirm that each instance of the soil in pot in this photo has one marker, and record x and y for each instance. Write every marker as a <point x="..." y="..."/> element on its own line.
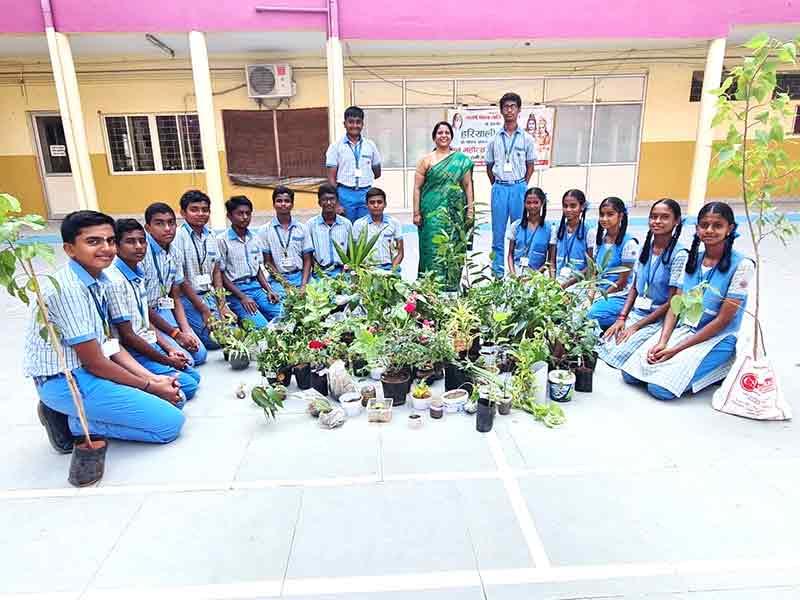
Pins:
<point x="319" y="381"/>
<point x="583" y="379"/>
<point x="396" y="386"/>
<point x="436" y="410"/>
<point x="455" y="378"/>
<point x="484" y="418"/>
<point x="302" y="375"/>
<point x="504" y="407"/>
<point x="88" y="463"/>
<point x="238" y="362"/>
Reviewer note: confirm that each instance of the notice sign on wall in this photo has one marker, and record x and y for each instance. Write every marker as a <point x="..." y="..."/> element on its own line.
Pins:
<point x="58" y="150"/>
<point x="474" y="128"/>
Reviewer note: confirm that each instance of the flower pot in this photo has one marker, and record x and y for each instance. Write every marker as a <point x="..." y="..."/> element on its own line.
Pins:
<point x="454" y="400"/>
<point x="421" y="403"/>
<point x="583" y="379"/>
<point x="504" y="406"/>
<point x="351" y="403"/>
<point x="396" y="387"/>
<point x="238" y="361"/>
<point x="226" y="353"/>
<point x="414" y="421"/>
<point x="475" y="349"/>
<point x="302" y="375"/>
<point x="455" y="378"/>
<point x="426" y="375"/>
<point x="358" y="367"/>
<point x="484" y="418"/>
<point x="436" y="409"/>
<point x="319" y="381"/>
<point x="561" y="385"/>
<point x="367" y="393"/>
<point x="438" y="371"/>
<point x="88" y="464"/>
<point x="283" y="376"/>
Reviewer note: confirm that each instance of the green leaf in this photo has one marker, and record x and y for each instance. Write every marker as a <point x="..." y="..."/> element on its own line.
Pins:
<point x="9" y="203"/>
<point x="757" y="42"/>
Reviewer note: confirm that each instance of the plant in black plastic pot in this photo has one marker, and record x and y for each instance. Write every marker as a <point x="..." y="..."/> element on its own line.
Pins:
<point x="489" y="388"/>
<point x="582" y="355"/>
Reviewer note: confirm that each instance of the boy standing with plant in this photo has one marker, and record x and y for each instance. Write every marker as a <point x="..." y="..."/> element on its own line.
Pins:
<point x="387" y="228"/>
<point x="122" y="399"/>
<point x="353" y="163"/>
<point x="284" y="239"/>
<point x="326" y="228"/>
<point x="198" y="248"/>
<point x="128" y="310"/>
<point x="163" y="271"/>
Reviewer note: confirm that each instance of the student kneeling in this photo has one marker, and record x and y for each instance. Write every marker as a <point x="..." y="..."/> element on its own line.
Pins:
<point x="122" y="399"/>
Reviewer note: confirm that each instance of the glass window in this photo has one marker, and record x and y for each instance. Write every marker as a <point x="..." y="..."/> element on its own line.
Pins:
<point x="169" y="143"/>
<point x="139" y="128"/>
<point x="419" y="124"/>
<point x="119" y="144"/>
<point x="384" y="126"/>
<point x="616" y="133"/>
<point x="572" y="128"/>
<point x="190" y="140"/>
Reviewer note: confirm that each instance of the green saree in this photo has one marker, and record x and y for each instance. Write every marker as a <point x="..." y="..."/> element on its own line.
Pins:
<point x="442" y="189"/>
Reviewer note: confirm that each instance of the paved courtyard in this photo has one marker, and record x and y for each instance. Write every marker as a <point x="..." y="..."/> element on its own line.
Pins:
<point x="632" y="498"/>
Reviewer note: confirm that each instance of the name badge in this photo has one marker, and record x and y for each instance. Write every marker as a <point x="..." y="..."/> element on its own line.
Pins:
<point x="565" y="272"/>
<point x="358" y="172"/>
<point x="202" y="280"/>
<point x="643" y="303"/>
<point x="507" y="168"/>
<point x="287" y="263"/>
<point x="148" y="336"/>
<point x="110" y="347"/>
<point x="165" y="303"/>
<point x="523" y="262"/>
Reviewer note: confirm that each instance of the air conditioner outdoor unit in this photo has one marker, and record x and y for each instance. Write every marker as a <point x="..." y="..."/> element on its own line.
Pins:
<point x="269" y="81"/>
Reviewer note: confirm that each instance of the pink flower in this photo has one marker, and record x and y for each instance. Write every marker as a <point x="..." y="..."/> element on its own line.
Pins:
<point x="427" y="323"/>
<point x="410" y="307"/>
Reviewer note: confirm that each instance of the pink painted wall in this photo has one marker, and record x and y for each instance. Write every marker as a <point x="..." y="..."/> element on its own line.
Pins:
<point x="413" y="19"/>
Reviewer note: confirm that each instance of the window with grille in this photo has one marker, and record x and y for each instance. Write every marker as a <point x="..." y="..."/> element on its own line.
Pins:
<point x="142" y="143"/>
<point x="796" y="128"/>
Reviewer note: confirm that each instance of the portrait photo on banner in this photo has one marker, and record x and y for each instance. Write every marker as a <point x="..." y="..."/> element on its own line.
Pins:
<point x="474" y="128"/>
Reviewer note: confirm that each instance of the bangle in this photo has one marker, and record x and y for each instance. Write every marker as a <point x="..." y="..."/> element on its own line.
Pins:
<point x="146" y="386"/>
<point x="174" y="332"/>
<point x="622" y="318"/>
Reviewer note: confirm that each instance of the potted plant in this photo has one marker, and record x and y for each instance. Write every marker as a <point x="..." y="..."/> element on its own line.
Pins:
<point x="462" y="326"/>
<point x="421" y="396"/>
<point x="489" y="391"/>
<point x="400" y="352"/>
<point x="269" y="398"/>
<point x="319" y="406"/>
<point x="88" y="457"/>
<point x="561" y="385"/>
<point x="319" y="365"/>
<point x="582" y="355"/>
<point x="301" y="357"/>
<point x="526" y="384"/>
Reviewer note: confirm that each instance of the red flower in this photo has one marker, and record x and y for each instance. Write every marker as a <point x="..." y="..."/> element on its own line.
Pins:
<point x="410" y="307"/>
<point x="315" y="345"/>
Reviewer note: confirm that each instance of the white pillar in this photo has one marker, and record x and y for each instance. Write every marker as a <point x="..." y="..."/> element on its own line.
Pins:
<point x="335" y="62"/>
<point x="208" y="126"/>
<point x="69" y="105"/>
<point x="712" y="78"/>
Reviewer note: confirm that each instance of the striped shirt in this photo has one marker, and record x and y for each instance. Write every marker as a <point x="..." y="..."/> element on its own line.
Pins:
<point x="518" y="148"/>
<point x="320" y="237"/>
<point x="200" y="253"/>
<point x="240" y="259"/>
<point x="286" y="247"/>
<point x="127" y="297"/>
<point x="390" y="232"/>
<point x="342" y="155"/>
<point x="75" y="309"/>
<point x="162" y="269"/>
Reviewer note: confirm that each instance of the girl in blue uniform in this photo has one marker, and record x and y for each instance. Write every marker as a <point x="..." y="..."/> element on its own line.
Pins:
<point x="657" y="276"/>
<point x="615" y="248"/>
<point x="529" y="237"/>
<point x="693" y="355"/>
<point x="573" y="241"/>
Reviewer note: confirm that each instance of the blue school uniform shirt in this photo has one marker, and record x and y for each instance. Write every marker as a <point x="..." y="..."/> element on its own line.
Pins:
<point x="571" y="250"/>
<point x="390" y="232"/>
<point x="127" y="297"/>
<point x="345" y="155"/>
<point x="78" y="309"/>
<point x="240" y="258"/>
<point x="162" y="269"/>
<point x="654" y="279"/>
<point x="320" y="237"/>
<point x="733" y="285"/>
<point x="199" y="253"/>
<point x="518" y="148"/>
<point x="286" y="246"/>
<point x="533" y="244"/>
<point x="624" y="254"/>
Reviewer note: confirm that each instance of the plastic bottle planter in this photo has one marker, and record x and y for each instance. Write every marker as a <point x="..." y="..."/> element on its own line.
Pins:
<point x="351" y="403"/>
<point x="367" y="393"/>
<point x="414" y="421"/>
<point x="379" y="410"/>
<point x="504" y="406"/>
<point x="561" y="385"/>
<point x="437" y="408"/>
<point x="484" y="418"/>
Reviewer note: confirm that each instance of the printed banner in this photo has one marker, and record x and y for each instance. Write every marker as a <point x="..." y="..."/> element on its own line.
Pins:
<point x="474" y="128"/>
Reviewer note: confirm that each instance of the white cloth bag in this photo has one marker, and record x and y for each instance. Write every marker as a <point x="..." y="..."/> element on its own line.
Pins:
<point x="752" y="390"/>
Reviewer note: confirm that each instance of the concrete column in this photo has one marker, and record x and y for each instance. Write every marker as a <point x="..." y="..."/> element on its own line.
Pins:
<point x="335" y="61"/>
<point x="208" y="126"/>
<point x="69" y="105"/>
<point x="712" y="78"/>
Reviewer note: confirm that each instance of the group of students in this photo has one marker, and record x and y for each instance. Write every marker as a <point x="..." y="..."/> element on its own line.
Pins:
<point x="133" y="303"/>
<point x="642" y="336"/>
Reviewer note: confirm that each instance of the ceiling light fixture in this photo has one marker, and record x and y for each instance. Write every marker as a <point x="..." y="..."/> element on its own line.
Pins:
<point x="159" y="44"/>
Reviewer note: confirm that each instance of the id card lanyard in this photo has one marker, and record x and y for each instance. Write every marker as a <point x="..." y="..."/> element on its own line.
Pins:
<point x="651" y="276"/>
<point x="284" y="246"/>
<point x="508" y="150"/>
<point x="568" y="254"/>
<point x="164" y="291"/>
<point x="102" y="310"/>
<point x="200" y="261"/>
<point x="138" y="297"/>
<point x="356" y="150"/>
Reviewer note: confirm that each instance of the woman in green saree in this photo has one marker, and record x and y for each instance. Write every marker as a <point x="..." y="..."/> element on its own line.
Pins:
<point x="443" y="180"/>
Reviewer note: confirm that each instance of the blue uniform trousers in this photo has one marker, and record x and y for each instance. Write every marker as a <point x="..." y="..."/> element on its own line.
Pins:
<point x="195" y="319"/>
<point x="266" y="309"/>
<point x="353" y="201"/>
<point x="114" y="410"/>
<point x="188" y="378"/>
<point x="507" y="203"/>
<point x="200" y="355"/>
<point x="720" y="354"/>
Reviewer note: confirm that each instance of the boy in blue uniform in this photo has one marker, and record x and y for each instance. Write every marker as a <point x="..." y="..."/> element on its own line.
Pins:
<point x="201" y="275"/>
<point x="389" y="228"/>
<point x="326" y="228"/>
<point x="122" y="398"/>
<point x="127" y="307"/>
<point x="241" y="260"/>
<point x="284" y="242"/>
<point x="353" y="163"/>
<point x="510" y="157"/>
<point x="163" y="271"/>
